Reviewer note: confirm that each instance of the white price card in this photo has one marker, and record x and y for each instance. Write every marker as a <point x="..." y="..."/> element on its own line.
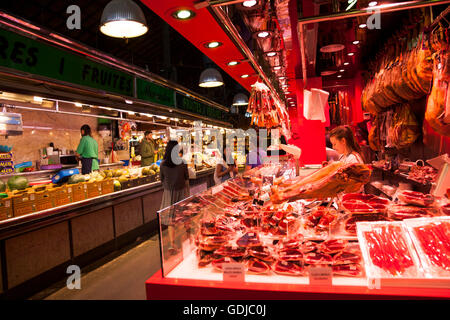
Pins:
<point x="320" y="276"/>
<point x="233" y="272"/>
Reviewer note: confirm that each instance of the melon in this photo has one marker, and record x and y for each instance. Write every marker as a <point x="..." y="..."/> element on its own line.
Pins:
<point x="117" y="185"/>
<point x="17" y="183"/>
<point x="76" y="178"/>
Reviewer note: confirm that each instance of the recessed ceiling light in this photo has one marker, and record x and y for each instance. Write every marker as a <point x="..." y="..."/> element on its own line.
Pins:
<point x="249" y="3"/>
<point x="213" y="44"/>
<point x="339" y="76"/>
<point x="373" y="3"/>
<point x="271" y="54"/>
<point x="233" y="63"/>
<point x="77" y="104"/>
<point x="277" y="68"/>
<point x="263" y="34"/>
<point x="346" y="63"/>
<point x="350" y="54"/>
<point x="355" y="42"/>
<point x="38" y="99"/>
<point x="362" y="25"/>
<point x="282" y="77"/>
<point x="129" y="101"/>
<point x="342" y="70"/>
<point x="183" y="14"/>
<point x="244" y="76"/>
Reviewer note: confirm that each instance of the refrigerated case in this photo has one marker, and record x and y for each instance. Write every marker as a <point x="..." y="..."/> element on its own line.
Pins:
<point x="226" y="227"/>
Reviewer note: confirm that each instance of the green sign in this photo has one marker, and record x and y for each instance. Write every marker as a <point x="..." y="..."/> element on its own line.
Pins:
<point x="150" y="91"/>
<point x="194" y="106"/>
<point x="28" y="55"/>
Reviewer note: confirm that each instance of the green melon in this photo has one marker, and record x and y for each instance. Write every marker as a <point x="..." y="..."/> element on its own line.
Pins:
<point x="17" y="183"/>
<point x="76" y="178"/>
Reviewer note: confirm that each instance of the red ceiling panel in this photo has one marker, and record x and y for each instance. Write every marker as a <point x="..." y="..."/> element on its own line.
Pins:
<point x="203" y="28"/>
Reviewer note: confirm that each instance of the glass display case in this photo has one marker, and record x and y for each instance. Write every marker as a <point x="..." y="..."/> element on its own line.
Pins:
<point x="309" y="242"/>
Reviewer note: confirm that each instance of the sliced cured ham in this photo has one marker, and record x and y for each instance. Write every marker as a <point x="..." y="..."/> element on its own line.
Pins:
<point x="333" y="245"/>
<point x="363" y="203"/>
<point x="348" y="270"/>
<point x="318" y="258"/>
<point x="257" y="266"/>
<point x="290" y="255"/>
<point x="288" y="268"/>
<point x="415" y="198"/>
<point x="347" y="257"/>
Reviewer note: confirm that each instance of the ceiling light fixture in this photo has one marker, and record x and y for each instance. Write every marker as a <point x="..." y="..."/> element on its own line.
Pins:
<point x="355" y="42"/>
<point x="183" y="14"/>
<point x="250" y="3"/>
<point x="129" y="101"/>
<point x="210" y="78"/>
<point x="350" y="54"/>
<point x="213" y="44"/>
<point x="38" y="99"/>
<point x="233" y="63"/>
<point x="123" y="19"/>
<point x="339" y="76"/>
<point x="362" y="25"/>
<point x="240" y="99"/>
<point x="346" y="63"/>
<point x="373" y="3"/>
<point x="282" y="77"/>
<point x="342" y="70"/>
<point x="244" y="76"/>
<point x="332" y="48"/>
<point x="277" y="68"/>
<point x="271" y="53"/>
<point x="77" y="104"/>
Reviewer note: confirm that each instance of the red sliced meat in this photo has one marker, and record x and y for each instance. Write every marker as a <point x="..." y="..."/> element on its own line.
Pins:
<point x="333" y="245"/>
<point x="288" y="268"/>
<point x="290" y="255"/>
<point x="346" y="257"/>
<point x="308" y="246"/>
<point x="399" y="212"/>
<point x="318" y="258"/>
<point x="415" y="198"/>
<point x="348" y="270"/>
<point x="257" y="266"/>
<point x="231" y="251"/>
<point x="359" y="202"/>
<point x="250" y="239"/>
<point x="261" y="252"/>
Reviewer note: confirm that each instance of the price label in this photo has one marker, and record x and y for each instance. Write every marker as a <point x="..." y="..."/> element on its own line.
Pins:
<point x="233" y="272"/>
<point x="320" y="276"/>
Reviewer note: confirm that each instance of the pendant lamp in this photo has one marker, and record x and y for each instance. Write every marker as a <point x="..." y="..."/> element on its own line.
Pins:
<point x="123" y="19"/>
<point x="210" y="78"/>
<point x="240" y="99"/>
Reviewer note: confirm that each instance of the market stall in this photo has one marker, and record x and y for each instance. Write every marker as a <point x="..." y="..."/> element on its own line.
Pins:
<point x="273" y="235"/>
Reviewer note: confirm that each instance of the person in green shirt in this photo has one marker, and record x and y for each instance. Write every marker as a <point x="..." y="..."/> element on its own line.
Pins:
<point x="87" y="151"/>
<point x="148" y="150"/>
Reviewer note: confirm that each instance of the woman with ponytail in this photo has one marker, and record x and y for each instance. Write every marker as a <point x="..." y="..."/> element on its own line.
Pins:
<point x="344" y="142"/>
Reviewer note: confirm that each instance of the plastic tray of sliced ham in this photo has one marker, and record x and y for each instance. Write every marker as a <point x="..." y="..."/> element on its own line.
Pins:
<point x="431" y="237"/>
<point x="387" y="250"/>
<point x="415" y="198"/>
<point x="363" y="203"/>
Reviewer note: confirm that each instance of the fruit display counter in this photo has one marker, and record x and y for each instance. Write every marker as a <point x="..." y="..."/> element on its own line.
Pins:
<point x="47" y="227"/>
<point x="267" y="234"/>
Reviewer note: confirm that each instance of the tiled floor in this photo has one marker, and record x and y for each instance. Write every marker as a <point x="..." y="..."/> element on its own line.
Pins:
<point x="116" y="277"/>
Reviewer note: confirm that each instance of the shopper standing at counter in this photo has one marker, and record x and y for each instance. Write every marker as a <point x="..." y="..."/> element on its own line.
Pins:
<point x="87" y="151"/>
<point x="344" y="142"/>
<point x="175" y="180"/>
<point x="148" y="149"/>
